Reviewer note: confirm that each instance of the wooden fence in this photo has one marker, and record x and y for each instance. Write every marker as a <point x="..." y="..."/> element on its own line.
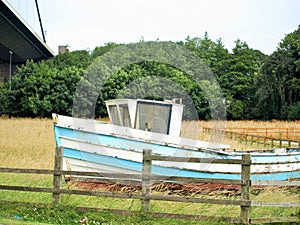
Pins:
<point x="274" y="137"/>
<point x="146" y="196"/>
<point x="286" y="133"/>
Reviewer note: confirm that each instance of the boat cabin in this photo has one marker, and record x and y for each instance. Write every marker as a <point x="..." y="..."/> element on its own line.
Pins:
<point x="155" y="116"/>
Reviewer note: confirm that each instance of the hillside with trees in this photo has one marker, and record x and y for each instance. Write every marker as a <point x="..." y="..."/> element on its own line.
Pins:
<point x="255" y="86"/>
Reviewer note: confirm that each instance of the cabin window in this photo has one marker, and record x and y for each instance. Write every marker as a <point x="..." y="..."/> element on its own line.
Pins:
<point x="154" y="117"/>
<point x="120" y="115"/>
<point x="124" y="113"/>
<point x="114" y="116"/>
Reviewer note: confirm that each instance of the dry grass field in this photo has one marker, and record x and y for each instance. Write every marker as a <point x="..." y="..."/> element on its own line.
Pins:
<point x="29" y="143"/>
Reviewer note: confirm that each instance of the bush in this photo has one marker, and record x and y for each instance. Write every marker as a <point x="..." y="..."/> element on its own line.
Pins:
<point x="39" y="89"/>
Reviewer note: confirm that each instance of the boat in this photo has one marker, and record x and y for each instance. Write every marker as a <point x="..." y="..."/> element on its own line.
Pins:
<point x="137" y="124"/>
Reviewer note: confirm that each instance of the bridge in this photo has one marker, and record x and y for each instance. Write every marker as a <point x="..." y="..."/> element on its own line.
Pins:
<point x="18" y="41"/>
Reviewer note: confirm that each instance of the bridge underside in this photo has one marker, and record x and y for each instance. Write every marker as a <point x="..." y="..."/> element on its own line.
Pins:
<point x="17" y="37"/>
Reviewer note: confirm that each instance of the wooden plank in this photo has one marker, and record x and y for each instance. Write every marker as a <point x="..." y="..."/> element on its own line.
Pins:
<point x="125" y="176"/>
<point x="156" y="178"/>
<point x="74" y="173"/>
<point x="272" y="142"/>
<point x="25" y="188"/>
<point x="275" y="204"/>
<point x="200" y="200"/>
<point x="21" y="170"/>
<point x="146" y="182"/>
<point x="57" y="177"/>
<point x="69" y="191"/>
<point x="121" y="175"/>
<point x="275" y="220"/>
<point x="126" y="195"/>
<point x="195" y="160"/>
<point x="292" y="183"/>
<point x="245" y="192"/>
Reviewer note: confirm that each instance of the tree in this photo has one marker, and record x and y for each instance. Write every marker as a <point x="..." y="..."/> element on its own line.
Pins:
<point x="212" y="53"/>
<point x="4" y="99"/>
<point x="80" y="59"/>
<point x="255" y="85"/>
<point x="117" y="69"/>
<point x="235" y="72"/>
<point x="238" y="82"/>
<point x="100" y="50"/>
<point x="278" y="83"/>
<point x="39" y="89"/>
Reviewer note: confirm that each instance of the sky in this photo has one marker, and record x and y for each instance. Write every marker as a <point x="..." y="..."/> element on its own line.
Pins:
<point x="85" y="24"/>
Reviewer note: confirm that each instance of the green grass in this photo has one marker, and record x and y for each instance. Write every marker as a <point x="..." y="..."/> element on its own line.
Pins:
<point x="30" y="213"/>
<point x="19" y="221"/>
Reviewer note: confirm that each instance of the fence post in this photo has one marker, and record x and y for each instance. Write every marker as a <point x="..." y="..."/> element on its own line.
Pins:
<point x="246" y="184"/>
<point x="146" y="181"/>
<point x="272" y="143"/>
<point x="57" y="177"/>
<point x="280" y="142"/>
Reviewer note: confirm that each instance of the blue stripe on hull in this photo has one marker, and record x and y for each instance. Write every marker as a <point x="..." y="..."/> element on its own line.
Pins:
<point x="137" y="145"/>
<point x="159" y="170"/>
<point x="137" y="166"/>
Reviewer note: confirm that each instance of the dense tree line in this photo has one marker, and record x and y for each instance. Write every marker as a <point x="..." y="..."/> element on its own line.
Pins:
<point x="255" y="86"/>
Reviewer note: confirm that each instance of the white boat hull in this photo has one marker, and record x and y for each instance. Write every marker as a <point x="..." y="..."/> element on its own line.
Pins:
<point x="99" y="147"/>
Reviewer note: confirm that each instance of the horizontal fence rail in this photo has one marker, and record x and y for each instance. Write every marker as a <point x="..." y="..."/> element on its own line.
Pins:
<point x="286" y="133"/>
<point x="273" y="137"/>
<point x="146" y="178"/>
